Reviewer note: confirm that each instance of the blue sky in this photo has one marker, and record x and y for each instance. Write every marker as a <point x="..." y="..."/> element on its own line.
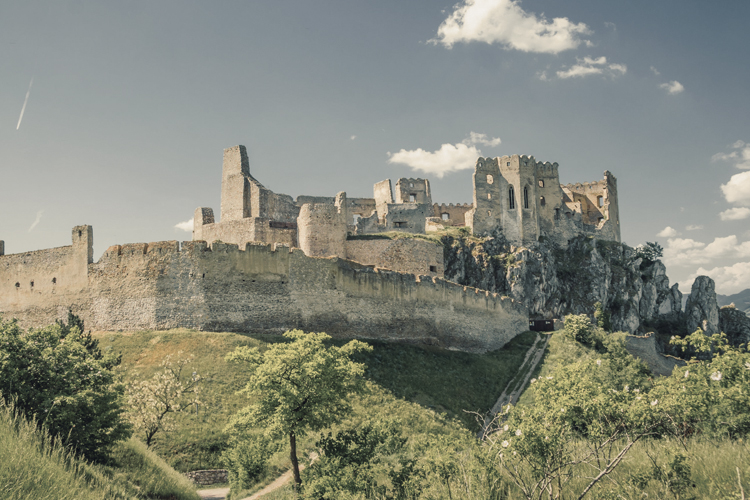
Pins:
<point x="132" y="104"/>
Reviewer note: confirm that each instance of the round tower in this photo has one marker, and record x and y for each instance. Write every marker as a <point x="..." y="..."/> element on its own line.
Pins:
<point x="321" y="230"/>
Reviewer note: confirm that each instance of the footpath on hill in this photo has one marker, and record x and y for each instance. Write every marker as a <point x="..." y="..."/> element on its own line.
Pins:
<point x="515" y="387"/>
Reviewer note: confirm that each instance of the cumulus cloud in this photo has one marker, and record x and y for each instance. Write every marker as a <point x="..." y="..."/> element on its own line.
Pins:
<point x="729" y="279"/>
<point x="737" y="190"/>
<point x="674" y="87"/>
<point x="667" y="232"/>
<point x="737" y="213"/>
<point x="506" y="23"/>
<point x="186" y="226"/>
<point x="36" y="221"/>
<point x="740" y="155"/>
<point x="693" y="227"/>
<point x="449" y="158"/>
<point x="590" y="66"/>
<point x="475" y="138"/>
<point x="688" y="252"/>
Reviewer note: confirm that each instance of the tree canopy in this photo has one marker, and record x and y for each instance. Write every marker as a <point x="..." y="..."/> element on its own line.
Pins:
<point x="300" y="386"/>
<point x="60" y="376"/>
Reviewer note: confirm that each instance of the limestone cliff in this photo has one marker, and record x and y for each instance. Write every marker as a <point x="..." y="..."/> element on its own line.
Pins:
<point x="552" y="282"/>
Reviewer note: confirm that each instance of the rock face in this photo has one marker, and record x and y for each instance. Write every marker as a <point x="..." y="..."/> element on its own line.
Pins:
<point x="552" y="282"/>
<point x="701" y="309"/>
<point x="735" y="323"/>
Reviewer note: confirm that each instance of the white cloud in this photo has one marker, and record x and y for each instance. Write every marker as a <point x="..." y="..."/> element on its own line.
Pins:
<point x="740" y="156"/>
<point x="667" y="232"/>
<point x="674" y="87"/>
<point x="353" y="137"/>
<point x="688" y="252"/>
<point x="737" y="213"/>
<point x="186" y="226"/>
<point x="475" y="138"/>
<point x="449" y="158"/>
<point x="610" y="25"/>
<point x="729" y="279"/>
<point x="693" y="227"/>
<point x="737" y="190"/>
<point x="655" y="71"/>
<point x="506" y="23"/>
<point x="590" y="66"/>
<point x="36" y="221"/>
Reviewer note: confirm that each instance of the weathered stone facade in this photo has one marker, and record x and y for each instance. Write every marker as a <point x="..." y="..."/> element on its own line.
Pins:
<point x="261" y="288"/>
<point x="514" y="195"/>
<point x="524" y="200"/>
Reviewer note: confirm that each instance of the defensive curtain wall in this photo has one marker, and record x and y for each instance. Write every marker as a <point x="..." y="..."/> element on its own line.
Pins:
<point x="260" y="288"/>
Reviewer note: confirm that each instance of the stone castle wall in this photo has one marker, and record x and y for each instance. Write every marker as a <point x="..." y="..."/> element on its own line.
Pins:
<point x="259" y="289"/>
<point x="407" y="255"/>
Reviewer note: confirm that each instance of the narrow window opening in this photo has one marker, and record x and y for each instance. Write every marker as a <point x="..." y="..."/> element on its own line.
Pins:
<point x="600" y="201"/>
<point x="80" y="233"/>
<point x="557" y="213"/>
<point x="490" y="179"/>
<point x="411" y="184"/>
<point x="445" y="216"/>
<point x="413" y="198"/>
<point x="489" y="213"/>
<point x="54" y="281"/>
<point x="433" y="269"/>
<point x="489" y="196"/>
<point x="32" y="284"/>
<point x="541" y="201"/>
<point x="541" y="183"/>
<point x="525" y="197"/>
<point x="507" y="164"/>
<point x="204" y="275"/>
<point x="511" y="198"/>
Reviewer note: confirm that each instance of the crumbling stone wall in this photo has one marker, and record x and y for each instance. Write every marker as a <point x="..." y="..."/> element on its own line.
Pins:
<point x="453" y="215"/>
<point x="406" y="255"/>
<point x="262" y="289"/>
<point x="523" y="199"/>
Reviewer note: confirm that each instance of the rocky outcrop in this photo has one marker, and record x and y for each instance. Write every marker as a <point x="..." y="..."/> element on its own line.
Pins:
<point x="701" y="309"/>
<point x="552" y="281"/>
<point x="206" y="477"/>
<point x="735" y="323"/>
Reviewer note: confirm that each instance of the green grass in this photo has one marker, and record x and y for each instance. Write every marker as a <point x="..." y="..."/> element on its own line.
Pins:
<point x="434" y="237"/>
<point x="32" y="467"/>
<point x="449" y="382"/>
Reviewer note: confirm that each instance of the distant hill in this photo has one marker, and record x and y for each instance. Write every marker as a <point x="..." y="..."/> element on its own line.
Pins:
<point x="741" y="300"/>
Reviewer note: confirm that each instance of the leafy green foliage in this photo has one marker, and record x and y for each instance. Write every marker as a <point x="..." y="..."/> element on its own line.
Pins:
<point x="59" y="376"/>
<point x="301" y="386"/>
<point x="368" y="461"/>
<point x="247" y="460"/>
<point x="578" y="327"/>
<point x="603" y="317"/>
<point x="650" y="252"/>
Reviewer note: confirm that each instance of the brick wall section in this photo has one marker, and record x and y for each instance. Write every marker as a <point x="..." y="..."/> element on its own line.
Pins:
<point x="263" y="289"/>
<point x="206" y="477"/>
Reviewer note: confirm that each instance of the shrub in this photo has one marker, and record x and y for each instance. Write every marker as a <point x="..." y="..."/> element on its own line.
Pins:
<point x="59" y="376"/>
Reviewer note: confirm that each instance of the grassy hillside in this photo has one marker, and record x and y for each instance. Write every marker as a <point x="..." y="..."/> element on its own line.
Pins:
<point x="33" y="467"/>
<point x="448" y="382"/>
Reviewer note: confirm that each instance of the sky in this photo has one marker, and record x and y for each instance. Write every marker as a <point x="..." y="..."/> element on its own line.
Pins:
<point x="115" y="114"/>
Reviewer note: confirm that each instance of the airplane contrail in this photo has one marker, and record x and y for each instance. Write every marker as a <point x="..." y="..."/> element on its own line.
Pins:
<point x="24" y="103"/>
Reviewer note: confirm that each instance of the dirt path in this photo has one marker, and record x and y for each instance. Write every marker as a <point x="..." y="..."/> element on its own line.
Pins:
<point x="213" y="494"/>
<point x="515" y="387"/>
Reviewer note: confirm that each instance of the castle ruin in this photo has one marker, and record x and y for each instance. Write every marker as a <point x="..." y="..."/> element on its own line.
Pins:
<point x="514" y="195"/>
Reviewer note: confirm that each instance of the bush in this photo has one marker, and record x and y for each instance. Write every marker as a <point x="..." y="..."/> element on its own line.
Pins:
<point x="578" y="327"/>
<point x="59" y="376"/>
<point x="247" y="461"/>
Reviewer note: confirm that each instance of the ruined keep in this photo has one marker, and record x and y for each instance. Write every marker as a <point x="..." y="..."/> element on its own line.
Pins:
<point x="515" y="195"/>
